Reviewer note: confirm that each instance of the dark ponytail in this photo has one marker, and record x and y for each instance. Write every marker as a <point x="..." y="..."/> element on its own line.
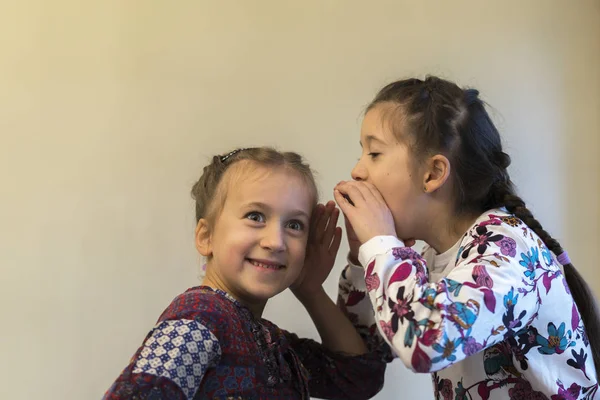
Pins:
<point x="503" y="194"/>
<point x="580" y="290"/>
<point x="443" y="118"/>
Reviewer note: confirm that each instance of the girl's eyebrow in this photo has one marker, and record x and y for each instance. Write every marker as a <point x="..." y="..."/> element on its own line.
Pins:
<point x="371" y="138"/>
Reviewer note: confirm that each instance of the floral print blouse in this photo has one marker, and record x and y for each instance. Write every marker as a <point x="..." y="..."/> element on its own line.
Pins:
<point x="498" y="322"/>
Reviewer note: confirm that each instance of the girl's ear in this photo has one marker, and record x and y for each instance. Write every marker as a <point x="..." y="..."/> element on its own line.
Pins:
<point x="436" y="173"/>
<point x="203" y="238"/>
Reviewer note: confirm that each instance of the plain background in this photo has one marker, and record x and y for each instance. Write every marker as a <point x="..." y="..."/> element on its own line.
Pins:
<point x="109" y="110"/>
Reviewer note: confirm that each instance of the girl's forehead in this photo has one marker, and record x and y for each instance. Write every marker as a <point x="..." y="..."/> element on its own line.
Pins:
<point x="380" y="123"/>
<point x="251" y="174"/>
<point x="270" y="182"/>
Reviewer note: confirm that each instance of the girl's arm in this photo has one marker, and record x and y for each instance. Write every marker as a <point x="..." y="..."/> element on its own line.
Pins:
<point x="489" y="294"/>
<point x="170" y="364"/>
<point x="340" y="368"/>
<point x="336" y="375"/>
<point x="336" y="331"/>
<point x="354" y="301"/>
<point x="176" y="354"/>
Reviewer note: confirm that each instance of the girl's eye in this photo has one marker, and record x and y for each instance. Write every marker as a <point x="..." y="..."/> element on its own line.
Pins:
<point x="374" y="155"/>
<point x="296" y="225"/>
<point x="255" y="216"/>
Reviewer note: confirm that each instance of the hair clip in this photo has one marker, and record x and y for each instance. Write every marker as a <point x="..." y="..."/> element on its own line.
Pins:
<point x="225" y="157"/>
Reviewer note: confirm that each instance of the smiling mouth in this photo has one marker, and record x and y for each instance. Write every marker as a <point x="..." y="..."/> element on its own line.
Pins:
<point x="266" y="264"/>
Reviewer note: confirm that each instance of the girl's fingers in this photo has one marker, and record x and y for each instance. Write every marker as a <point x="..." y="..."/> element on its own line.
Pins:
<point x="374" y="192"/>
<point x="343" y="203"/>
<point x="314" y="222"/>
<point x="321" y="224"/>
<point x="331" y="225"/>
<point x="355" y="193"/>
<point x="335" y="242"/>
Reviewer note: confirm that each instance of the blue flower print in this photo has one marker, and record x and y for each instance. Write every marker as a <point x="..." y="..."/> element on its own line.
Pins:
<point x="464" y="314"/>
<point x="530" y="262"/>
<point x="512" y="322"/>
<point x="557" y="341"/>
<point x="547" y="256"/>
<point x="447" y="348"/>
<point x="428" y="298"/>
<point x="510" y="299"/>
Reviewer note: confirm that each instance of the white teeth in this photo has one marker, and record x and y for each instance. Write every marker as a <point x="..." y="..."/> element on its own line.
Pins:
<point x="268" y="266"/>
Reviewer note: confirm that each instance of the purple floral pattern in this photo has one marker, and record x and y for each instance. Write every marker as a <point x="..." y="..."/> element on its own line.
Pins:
<point x="508" y="246"/>
<point x="490" y="327"/>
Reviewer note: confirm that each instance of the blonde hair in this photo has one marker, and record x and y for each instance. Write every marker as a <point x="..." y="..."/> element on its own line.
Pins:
<point x="210" y="191"/>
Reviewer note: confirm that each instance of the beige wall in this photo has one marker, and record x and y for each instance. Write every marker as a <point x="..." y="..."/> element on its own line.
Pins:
<point x="108" y="111"/>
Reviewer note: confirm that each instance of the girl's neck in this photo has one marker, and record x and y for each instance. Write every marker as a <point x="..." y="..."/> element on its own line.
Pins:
<point x="255" y="307"/>
<point x="446" y="228"/>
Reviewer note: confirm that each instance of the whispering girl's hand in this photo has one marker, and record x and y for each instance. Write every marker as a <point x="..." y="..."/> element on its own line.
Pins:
<point x="369" y="216"/>
<point x="366" y="211"/>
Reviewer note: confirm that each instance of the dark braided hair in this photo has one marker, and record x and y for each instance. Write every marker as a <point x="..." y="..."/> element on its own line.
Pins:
<point x="441" y="117"/>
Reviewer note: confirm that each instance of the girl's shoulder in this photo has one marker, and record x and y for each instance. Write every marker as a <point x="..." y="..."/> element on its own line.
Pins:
<point x="501" y="221"/>
<point x="501" y="233"/>
<point x="213" y="309"/>
<point x="498" y="217"/>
